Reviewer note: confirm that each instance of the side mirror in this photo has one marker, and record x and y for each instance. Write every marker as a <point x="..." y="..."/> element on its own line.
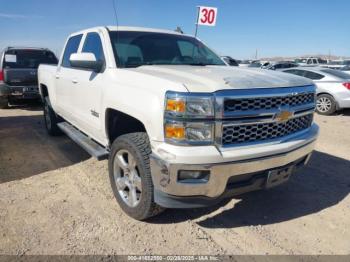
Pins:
<point x="86" y="61"/>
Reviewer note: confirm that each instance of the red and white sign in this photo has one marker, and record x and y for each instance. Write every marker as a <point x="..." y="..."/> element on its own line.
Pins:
<point x="207" y="15"/>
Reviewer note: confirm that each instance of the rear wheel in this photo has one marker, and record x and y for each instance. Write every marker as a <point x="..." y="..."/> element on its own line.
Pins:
<point x="4" y="102"/>
<point x="130" y="176"/>
<point x="51" y="119"/>
<point x="325" y="105"/>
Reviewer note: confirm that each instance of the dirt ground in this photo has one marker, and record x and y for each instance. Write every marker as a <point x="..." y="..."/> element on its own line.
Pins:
<point x="56" y="199"/>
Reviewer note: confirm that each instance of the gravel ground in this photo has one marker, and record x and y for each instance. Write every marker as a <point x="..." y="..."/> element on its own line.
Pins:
<point x="56" y="199"/>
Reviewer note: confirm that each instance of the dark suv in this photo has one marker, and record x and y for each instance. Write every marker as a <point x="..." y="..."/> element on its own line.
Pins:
<point x="18" y="72"/>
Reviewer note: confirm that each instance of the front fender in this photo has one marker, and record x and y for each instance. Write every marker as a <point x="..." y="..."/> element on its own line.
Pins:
<point x="142" y="97"/>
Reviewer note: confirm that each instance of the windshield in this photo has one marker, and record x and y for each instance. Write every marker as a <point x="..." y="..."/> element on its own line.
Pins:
<point x="16" y="58"/>
<point x="133" y="49"/>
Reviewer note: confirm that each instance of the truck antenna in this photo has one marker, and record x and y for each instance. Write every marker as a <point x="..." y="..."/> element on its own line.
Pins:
<point x="115" y="11"/>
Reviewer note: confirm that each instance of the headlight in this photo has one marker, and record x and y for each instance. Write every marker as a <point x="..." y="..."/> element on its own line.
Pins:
<point x="189" y="106"/>
<point x="188" y="118"/>
<point x="195" y="133"/>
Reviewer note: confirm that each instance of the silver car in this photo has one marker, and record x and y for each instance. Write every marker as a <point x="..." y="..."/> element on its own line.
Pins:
<point x="333" y="87"/>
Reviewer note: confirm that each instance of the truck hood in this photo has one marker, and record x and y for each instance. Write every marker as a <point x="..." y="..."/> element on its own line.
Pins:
<point x="214" y="78"/>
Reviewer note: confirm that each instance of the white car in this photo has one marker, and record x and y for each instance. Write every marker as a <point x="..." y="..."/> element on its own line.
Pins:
<point x="180" y="128"/>
<point x="333" y="87"/>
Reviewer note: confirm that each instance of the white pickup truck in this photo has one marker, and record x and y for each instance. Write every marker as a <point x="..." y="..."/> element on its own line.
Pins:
<point x="180" y="128"/>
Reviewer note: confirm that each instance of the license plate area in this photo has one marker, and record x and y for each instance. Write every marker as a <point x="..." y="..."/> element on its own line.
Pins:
<point x="278" y="176"/>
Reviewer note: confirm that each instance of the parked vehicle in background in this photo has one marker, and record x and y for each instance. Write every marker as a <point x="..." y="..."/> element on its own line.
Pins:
<point x="181" y="128"/>
<point x="338" y="64"/>
<point x="310" y="61"/>
<point x="333" y="87"/>
<point x="230" y="61"/>
<point x="255" y="64"/>
<point x="279" y="65"/>
<point x="244" y="63"/>
<point x="346" y="69"/>
<point x="18" y="72"/>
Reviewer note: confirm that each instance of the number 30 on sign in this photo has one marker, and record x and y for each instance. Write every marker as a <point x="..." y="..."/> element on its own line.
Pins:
<point x="207" y="15"/>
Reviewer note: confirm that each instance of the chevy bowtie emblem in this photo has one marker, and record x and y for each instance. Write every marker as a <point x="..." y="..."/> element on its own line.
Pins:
<point x="283" y="115"/>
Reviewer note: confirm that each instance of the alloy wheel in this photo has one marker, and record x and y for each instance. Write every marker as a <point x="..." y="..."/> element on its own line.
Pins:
<point x="323" y="104"/>
<point x="127" y="177"/>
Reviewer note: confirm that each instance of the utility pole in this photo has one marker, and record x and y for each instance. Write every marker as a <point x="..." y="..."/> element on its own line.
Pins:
<point x="256" y="54"/>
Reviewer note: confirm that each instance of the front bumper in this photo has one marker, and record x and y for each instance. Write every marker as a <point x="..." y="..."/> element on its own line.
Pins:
<point x="169" y="192"/>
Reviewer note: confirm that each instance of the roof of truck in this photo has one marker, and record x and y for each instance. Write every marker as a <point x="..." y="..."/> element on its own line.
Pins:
<point x="130" y="28"/>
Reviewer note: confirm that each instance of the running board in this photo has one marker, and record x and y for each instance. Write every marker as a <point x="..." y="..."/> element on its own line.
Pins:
<point x="90" y="146"/>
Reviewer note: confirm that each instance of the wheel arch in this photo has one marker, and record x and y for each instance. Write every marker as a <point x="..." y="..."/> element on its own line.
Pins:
<point x="118" y="123"/>
<point x="329" y="94"/>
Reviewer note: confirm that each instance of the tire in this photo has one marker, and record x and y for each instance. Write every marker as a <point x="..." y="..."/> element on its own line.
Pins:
<point x="325" y="105"/>
<point x="4" y="102"/>
<point x="130" y="176"/>
<point x="51" y="119"/>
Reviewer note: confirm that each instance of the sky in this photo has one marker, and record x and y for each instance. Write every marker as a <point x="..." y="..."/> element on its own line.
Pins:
<point x="272" y="27"/>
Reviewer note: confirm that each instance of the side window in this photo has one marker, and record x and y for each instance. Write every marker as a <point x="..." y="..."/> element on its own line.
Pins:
<point x="93" y="45"/>
<point x="295" y="72"/>
<point x="71" y="47"/>
<point x="313" y="75"/>
<point x="309" y="61"/>
<point x="278" y="66"/>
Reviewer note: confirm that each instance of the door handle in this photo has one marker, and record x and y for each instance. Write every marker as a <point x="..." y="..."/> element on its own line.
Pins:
<point x="57" y="76"/>
<point x="74" y="81"/>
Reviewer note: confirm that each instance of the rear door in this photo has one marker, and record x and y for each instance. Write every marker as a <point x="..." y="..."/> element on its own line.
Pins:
<point x="20" y="67"/>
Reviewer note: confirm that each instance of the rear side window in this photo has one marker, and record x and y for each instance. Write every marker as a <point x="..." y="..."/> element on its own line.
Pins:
<point x="93" y="45"/>
<point x="71" y="47"/>
<point x="313" y="75"/>
<point x="28" y="58"/>
<point x="295" y="72"/>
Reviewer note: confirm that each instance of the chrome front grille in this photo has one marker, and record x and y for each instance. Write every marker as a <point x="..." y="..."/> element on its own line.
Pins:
<point x="253" y="116"/>
<point x="245" y="104"/>
<point x="238" y="134"/>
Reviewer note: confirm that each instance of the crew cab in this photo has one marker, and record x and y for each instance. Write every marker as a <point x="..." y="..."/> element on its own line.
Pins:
<point x="179" y="127"/>
<point x="18" y="72"/>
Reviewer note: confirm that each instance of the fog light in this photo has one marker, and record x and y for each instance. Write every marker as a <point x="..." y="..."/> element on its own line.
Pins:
<point x="193" y="176"/>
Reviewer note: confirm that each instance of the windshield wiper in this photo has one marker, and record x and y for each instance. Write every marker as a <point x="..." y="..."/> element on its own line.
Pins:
<point x="200" y="64"/>
<point x="137" y="65"/>
<point x="197" y="64"/>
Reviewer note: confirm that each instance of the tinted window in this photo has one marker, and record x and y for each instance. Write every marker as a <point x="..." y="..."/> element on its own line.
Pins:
<point x="336" y="73"/>
<point x="71" y="47"/>
<point x="278" y="66"/>
<point x="27" y="58"/>
<point x="132" y="49"/>
<point x="313" y="75"/>
<point x="93" y="45"/>
<point x="230" y="61"/>
<point x="295" y="72"/>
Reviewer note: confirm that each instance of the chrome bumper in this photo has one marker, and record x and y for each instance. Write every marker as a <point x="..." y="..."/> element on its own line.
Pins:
<point x="165" y="174"/>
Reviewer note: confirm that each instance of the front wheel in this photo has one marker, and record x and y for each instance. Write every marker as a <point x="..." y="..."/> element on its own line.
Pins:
<point x="325" y="105"/>
<point x="130" y="176"/>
